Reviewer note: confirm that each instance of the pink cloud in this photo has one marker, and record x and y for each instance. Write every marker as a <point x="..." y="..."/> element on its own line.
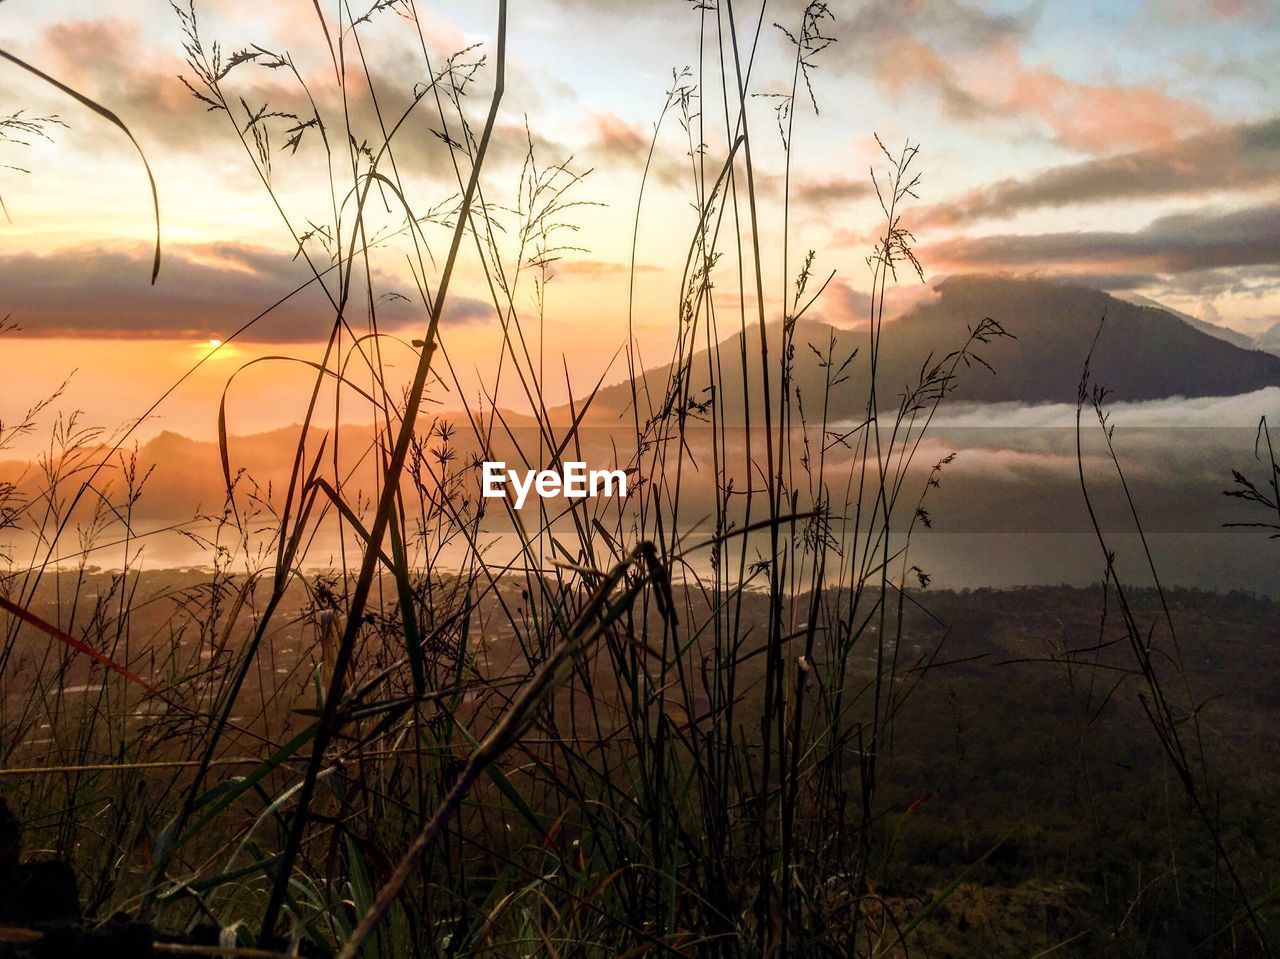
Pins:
<point x="1089" y="117"/>
<point x="998" y="82"/>
<point x="598" y="269"/>
<point x="616" y="138"/>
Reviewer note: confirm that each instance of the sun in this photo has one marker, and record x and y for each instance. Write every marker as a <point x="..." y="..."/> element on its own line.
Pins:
<point x="214" y="348"/>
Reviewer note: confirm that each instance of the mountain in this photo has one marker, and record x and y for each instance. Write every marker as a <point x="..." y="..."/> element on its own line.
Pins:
<point x="1269" y="339"/>
<point x="1143" y="352"/>
<point x="1234" y="337"/>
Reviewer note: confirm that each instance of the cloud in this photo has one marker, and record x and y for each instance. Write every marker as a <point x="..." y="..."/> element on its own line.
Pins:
<point x="460" y="310"/>
<point x="619" y="144"/>
<point x="834" y="189"/>
<point x="1240" y="411"/>
<point x="595" y="269"/>
<point x="1226" y="280"/>
<point x="627" y="9"/>
<point x="910" y="63"/>
<point x="948" y="23"/>
<point x="616" y="139"/>
<point x="1244" y="156"/>
<point x="1236" y="9"/>
<point x="145" y="89"/>
<point x="842" y="305"/>
<point x="1182" y="13"/>
<point x="1096" y="118"/>
<point x="971" y="63"/>
<point x="510" y="146"/>
<point x="203" y="291"/>
<point x="1114" y="282"/>
<point x="1178" y="243"/>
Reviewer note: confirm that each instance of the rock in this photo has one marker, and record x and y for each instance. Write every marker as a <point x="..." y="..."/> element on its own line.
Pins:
<point x="39" y="892"/>
<point x="40" y="914"/>
<point x="32" y="892"/>
<point x="117" y="938"/>
<point x="10" y="837"/>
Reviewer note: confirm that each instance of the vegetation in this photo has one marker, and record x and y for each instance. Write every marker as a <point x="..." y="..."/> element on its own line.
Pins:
<point x="715" y="717"/>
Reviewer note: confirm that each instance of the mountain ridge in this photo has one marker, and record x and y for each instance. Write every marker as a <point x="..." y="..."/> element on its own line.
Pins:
<point x="1143" y="352"/>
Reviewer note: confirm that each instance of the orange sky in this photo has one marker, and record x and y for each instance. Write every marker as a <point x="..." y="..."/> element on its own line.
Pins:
<point x="1135" y="146"/>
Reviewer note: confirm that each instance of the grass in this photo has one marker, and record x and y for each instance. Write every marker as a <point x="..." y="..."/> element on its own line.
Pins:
<point x="644" y="734"/>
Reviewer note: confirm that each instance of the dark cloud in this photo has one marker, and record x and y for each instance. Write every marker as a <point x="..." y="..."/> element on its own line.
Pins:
<point x="1114" y="282"/>
<point x="202" y="291"/>
<point x="947" y="22"/>
<point x="1244" y="156"/>
<point x="1180" y="243"/>
<point x="1222" y="281"/>
<point x="466" y="309"/>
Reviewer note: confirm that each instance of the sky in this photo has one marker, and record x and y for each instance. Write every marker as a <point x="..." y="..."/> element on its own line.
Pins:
<point x="1133" y="146"/>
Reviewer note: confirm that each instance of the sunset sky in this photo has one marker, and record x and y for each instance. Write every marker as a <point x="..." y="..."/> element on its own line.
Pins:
<point x="1135" y="146"/>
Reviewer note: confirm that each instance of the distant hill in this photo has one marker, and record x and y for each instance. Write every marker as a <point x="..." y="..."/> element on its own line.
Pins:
<point x="1145" y="352"/>
<point x="1234" y="337"/>
<point x="1269" y="339"/>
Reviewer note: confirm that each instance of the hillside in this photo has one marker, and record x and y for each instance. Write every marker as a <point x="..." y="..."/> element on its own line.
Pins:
<point x="1144" y="352"/>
